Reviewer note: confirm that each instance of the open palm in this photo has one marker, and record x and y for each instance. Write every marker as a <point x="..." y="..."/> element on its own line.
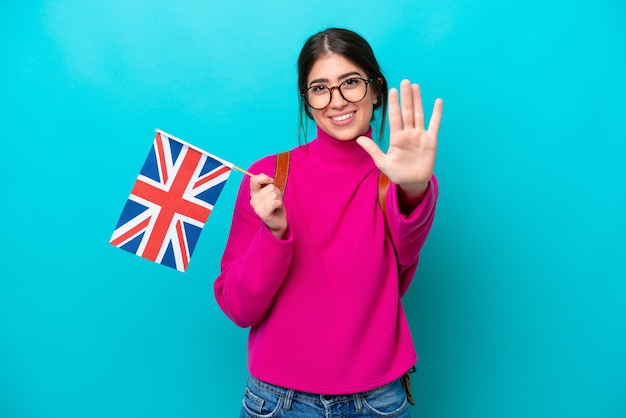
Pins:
<point x="410" y="158"/>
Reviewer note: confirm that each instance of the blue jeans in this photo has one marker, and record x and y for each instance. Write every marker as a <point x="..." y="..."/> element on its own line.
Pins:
<point x="263" y="400"/>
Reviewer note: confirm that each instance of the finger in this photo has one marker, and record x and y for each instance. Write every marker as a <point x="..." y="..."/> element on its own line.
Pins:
<point x="266" y="201"/>
<point x="408" y="120"/>
<point x="435" y="118"/>
<point x="267" y="209"/>
<point x="257" y="182"/>
<point x="268" y="205"/>
<point x="372" y="149"/>
<point x="268" y="192"/>
<point x="395" y="118"/>
<point x="418" y="108"/>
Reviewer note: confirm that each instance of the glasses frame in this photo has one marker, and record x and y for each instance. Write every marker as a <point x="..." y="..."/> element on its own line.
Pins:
<point x="338" y="87"/>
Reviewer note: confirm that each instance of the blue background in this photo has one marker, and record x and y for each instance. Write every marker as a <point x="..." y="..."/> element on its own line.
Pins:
<point x="519" y="305"/>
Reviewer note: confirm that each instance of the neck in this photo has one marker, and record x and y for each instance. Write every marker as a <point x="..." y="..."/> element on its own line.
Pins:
<point x="332" y="153"/>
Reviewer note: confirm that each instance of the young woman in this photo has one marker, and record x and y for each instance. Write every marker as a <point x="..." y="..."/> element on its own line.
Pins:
<point x="318" y="272"/>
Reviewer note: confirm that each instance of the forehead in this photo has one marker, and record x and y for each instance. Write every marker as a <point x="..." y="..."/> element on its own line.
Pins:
<point x="333" y="67"/>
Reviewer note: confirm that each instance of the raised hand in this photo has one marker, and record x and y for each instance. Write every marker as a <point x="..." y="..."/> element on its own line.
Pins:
<point x="410" y="159"/>
<point x="267" y="202"/>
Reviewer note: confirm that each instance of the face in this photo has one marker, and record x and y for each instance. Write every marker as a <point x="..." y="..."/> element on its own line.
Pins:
<point x="341" y="119"/>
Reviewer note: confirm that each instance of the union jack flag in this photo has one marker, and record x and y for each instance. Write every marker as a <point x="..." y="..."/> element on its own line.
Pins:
<point x="170" y="202"/>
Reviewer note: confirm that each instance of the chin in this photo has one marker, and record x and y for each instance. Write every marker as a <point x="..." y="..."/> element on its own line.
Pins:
<point x="347" y="133"/>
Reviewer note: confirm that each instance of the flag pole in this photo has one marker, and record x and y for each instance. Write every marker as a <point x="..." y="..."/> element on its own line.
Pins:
<point x="241" y="170"/>
<point x="227" y="163"/>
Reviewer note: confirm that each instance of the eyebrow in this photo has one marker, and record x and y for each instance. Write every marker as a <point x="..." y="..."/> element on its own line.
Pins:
<point x="341" y="77"/>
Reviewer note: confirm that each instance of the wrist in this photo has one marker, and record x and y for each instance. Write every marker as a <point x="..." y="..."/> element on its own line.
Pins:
<point x="410" y="196"/>
<point x="279" y="233"/>
<point x="413" y="191"/>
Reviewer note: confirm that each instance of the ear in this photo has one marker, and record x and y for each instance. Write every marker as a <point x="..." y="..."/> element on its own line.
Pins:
<point x="380" y="87"/>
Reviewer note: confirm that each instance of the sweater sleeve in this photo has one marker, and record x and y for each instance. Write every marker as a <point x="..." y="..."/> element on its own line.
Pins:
<point x="253" y="266"/>
<point x="409" y="232"/>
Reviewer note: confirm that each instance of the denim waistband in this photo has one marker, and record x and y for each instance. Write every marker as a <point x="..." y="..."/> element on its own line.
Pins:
<point x="320" y="399"/>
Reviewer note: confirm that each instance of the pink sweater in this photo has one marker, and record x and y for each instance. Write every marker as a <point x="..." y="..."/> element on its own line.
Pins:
<point x="324" y="305"/>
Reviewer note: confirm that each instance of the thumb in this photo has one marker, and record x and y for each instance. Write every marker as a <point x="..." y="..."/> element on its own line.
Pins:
<point x="258" y="181"/>
<point x="373" y="150"/>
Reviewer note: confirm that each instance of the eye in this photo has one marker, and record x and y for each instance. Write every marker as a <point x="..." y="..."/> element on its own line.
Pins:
<point x="352" y="83"/>
<point x="318" y="89"/>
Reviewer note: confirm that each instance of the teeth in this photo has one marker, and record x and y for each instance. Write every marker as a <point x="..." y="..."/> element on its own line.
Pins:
<point x="343" y="117"/>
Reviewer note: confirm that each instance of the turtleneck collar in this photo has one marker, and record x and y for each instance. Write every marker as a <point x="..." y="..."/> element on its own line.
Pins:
<point x="332" y="153"/>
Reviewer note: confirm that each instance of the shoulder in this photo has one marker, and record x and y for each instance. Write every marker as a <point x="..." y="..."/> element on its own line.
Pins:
<point x="267" y="164"/>
<point x="264" y="165"/>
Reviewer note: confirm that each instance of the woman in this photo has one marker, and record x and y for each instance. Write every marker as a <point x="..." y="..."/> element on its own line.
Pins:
<point x="318" y="272"/>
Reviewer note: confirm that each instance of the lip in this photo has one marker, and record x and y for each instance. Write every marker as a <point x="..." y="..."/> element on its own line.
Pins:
<point x="342" y="122"/>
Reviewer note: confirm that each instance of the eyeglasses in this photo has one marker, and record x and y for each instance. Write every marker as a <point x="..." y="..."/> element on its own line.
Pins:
<point x="353" y="90"/>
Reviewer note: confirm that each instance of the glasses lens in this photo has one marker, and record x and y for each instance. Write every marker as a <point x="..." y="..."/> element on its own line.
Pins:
<point x="318" y="96"/>
<point x="353" y="89"/>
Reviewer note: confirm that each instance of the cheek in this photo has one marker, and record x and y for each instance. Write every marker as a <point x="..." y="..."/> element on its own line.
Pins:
<point x="318" y="115"/>
<point x="375" y="96"/>
<point x="367" y="108"/>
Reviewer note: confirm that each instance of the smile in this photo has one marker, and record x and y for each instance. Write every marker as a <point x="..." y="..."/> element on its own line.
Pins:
<point x="343" y="117"/>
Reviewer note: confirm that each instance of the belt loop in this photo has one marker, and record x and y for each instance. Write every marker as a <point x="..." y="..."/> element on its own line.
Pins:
<point x="288" y="399"/>
<point x="357" y="402"/>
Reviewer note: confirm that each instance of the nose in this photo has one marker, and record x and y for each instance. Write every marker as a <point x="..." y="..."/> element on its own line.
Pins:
<point x="336" y="98"/>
